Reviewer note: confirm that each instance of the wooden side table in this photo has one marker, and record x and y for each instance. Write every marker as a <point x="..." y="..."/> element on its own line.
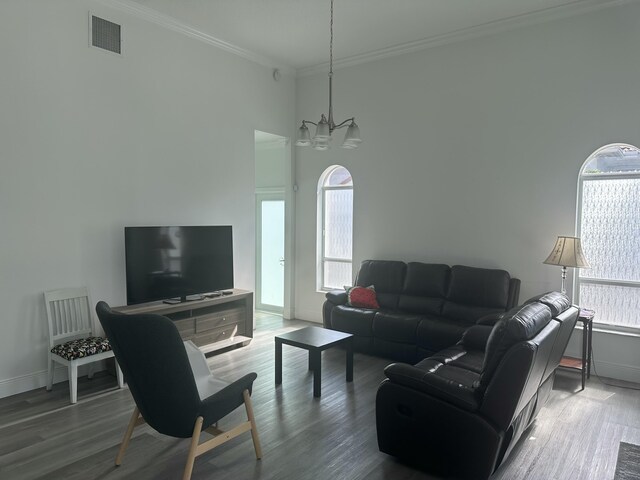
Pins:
<point x="583" y="364"/>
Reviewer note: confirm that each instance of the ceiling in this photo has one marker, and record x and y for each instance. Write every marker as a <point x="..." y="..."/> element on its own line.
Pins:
<point x="295" y="33"/>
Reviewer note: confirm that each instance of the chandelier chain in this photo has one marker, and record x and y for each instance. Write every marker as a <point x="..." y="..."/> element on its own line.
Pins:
<point x="331" y="42"/>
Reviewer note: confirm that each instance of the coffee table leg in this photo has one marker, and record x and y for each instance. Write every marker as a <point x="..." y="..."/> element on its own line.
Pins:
<point x="278" y="361"/>
<point x="315" y="360"/>
<point x="350" y="360"/>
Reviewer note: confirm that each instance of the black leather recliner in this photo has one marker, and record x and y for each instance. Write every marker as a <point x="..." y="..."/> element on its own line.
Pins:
<point x="460" y="412"/>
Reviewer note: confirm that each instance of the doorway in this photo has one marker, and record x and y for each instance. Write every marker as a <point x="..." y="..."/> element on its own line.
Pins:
<point x="270" y="253"/>
<point x="273" y="178"/>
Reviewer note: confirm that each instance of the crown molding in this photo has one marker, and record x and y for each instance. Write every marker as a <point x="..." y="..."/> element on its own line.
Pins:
<point x="575" y="8"/>
<point x="166" y="21"/>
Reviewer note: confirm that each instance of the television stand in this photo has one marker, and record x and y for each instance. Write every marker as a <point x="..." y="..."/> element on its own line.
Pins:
<point x="188" y="298"/>
<point x="213" y="324"/>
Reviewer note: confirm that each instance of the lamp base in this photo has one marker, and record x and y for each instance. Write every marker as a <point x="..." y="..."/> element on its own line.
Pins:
<point x="564" y="278"/>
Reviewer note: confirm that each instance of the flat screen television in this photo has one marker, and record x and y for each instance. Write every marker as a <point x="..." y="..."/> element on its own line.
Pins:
<point x="177" y="263"/>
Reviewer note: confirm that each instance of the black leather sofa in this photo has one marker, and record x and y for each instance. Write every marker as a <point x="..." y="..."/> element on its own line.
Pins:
<point x="423" y="307"/>
<point x="460" y="412"/>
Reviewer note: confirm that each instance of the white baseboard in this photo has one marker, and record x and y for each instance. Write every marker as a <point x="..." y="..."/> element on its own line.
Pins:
<point x="32" y="381"/>
<point x="309" y="315"/>
<point x="629" y="373"/>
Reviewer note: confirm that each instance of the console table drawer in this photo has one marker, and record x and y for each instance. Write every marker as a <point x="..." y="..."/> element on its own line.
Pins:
<point x="219" y="319"/>
<point x="224" y="333"/>
<point x="186" y="327"/>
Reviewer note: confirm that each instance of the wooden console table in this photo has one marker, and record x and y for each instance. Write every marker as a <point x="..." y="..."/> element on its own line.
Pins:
<point x="212" y="323"/>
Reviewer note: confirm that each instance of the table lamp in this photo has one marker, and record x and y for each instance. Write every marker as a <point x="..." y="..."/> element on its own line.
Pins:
<point x="567" y="252"/>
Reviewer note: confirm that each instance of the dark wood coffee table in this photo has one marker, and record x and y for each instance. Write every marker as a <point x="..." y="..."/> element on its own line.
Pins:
<point x="314" y="339"/>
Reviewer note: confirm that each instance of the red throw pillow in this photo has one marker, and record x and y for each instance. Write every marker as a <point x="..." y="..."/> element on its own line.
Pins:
<point x="363" y="297"/>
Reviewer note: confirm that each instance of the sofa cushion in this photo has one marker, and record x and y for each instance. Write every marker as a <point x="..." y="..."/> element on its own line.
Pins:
<point x="358" y="321"/>
<point x="436" y="333"/>
<point x="447" y="383"/>
<point x="458" y="356"/>
<point x="467" y="313"/>
<point x="423" y="305"/>
<point x="517" y="325"/>
<point x="461" y="377"/>
<point x="556" y="301"/>
<point x="426" y="279"/>
<point x="398" y="351"/>
<point x="363" y="297"/>
<point x="424" y="288"/>
<point x="490" y="319"/>
<point x="396" y="327"/>
<point x="480" y="287"/>
<point x="387" y="276"/>
<point x="476" y="337"/>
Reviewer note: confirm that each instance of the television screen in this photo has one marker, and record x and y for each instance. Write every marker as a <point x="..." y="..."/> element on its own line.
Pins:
<point x="177" y="262"/>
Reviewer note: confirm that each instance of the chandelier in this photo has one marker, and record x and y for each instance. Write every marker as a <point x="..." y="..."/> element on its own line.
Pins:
<point x="326" y="126"/>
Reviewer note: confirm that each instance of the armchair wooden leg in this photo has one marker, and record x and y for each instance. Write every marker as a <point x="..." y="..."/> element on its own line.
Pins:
<point x="119" y="376"/>
<point x="193" y="449"/>
<point x="254" y="429"/>
<point x="133" y="423"/>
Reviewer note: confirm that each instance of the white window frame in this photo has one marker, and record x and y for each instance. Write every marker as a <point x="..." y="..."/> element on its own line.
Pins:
<point x="579" y="280"/>
<point x="321" y="233"/>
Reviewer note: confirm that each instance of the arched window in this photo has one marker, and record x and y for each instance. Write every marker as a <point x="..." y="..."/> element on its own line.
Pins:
<point x="609" y="226"/>
<point x="335" y="228"/>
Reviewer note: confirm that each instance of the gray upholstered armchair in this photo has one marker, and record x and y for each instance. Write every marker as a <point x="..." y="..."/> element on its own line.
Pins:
<point x="167" y="394"/>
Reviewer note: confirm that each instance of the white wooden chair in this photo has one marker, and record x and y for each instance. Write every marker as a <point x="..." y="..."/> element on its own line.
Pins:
<point x="71" y="339"/>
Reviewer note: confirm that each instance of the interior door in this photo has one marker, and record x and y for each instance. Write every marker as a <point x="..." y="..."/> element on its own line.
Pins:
<point x="270" y="252"/>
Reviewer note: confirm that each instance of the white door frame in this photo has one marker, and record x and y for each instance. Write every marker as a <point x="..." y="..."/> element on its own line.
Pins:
<point x="288" y="189"/>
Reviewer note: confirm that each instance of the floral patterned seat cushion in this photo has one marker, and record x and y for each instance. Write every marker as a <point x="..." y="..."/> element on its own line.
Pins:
<point x="82" y="347"/>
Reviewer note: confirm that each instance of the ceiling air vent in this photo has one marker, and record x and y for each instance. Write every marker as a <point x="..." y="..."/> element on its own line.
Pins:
<point x="106" y="34"/>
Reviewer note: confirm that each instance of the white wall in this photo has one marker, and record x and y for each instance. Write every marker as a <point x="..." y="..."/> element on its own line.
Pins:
<point x="91" y="142"/>
<point x="271" y="165"/>
<point x="471" y="150"/>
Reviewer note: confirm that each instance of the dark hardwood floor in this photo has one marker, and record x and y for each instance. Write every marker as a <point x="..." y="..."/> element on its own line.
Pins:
<point x="333" y="437"/>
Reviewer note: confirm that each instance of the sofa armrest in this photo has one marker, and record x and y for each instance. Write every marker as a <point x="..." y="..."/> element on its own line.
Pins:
<point x="436" y="386"/>
<point x="337" y="297"/>
<point x="334" y="298"/>
<point x="490" y="319"/>
<point x="514" y="293"/>
<point x="476" y="337"/>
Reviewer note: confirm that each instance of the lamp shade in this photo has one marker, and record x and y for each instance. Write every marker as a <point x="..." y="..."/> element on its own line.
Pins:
<point x="321" y="144"/>
<point x="352" y="138"/>
<point x="304" y="138"/>
<point x="567" y="252"/>
<point x="323" y="132"/>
